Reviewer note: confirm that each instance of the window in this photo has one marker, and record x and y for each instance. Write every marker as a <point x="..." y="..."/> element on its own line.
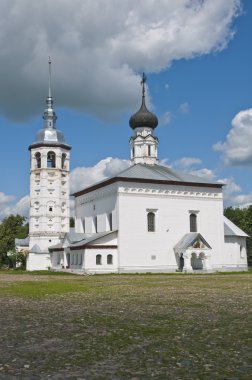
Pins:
<point x="110" y="220"/>
<point x="109" y="259"/>
<point x="84" y="224"/>
<point x="193" y="223"/>
<point x="98" y="260"/>
<point x="95" y="223"/>
<point x="151" y="221"/>
<point x="242" y="252"/>
<point x="58" y="259"/>
<point x="51" y="159"/>
<point x="36" y="206"/>
<point x="149" y="150"/>
<point x="38" y="160"/>
<point x="133" y="152"/>
<point x="63" y="159"/>
<point x="50" y="208"/>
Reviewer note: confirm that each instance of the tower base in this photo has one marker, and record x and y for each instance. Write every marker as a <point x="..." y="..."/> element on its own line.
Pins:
<point x="38" y="261"/>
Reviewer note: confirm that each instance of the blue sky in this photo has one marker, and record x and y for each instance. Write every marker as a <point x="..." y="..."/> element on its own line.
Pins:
<point x="199" y="80"/>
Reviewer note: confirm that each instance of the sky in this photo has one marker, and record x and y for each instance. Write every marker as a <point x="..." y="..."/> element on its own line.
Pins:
<point x="198" y="60"/>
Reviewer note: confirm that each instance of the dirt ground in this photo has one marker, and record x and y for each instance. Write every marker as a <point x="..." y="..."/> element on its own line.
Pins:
<point x="126" y="327"/>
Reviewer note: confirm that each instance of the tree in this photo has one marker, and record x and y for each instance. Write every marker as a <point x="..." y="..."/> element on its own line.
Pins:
<point x="14" y="226"/>
<point x="243" y="219"/>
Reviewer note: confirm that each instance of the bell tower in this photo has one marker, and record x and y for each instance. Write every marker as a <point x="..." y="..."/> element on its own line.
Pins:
<point x="143" y="144"/>
<point x="49" y="188"/>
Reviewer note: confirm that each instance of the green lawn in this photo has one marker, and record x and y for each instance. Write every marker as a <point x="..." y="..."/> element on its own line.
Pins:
<point x="126" y="326"/>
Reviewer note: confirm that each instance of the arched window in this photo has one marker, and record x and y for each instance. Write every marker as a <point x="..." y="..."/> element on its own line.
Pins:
<point x="193" y="223"/>
<point x="51" y="159"/>
<point x="151" y="221"/>
<point x="110" y="220"/>
<point x="242" y="251"/>
<point x="149" y="150"/>
<point x="98" y="260"/>
<point x="63" y="159"/>
<point x="38" y="160"/>
<point x="95" y="224"/>
<point x="109" y="259"/>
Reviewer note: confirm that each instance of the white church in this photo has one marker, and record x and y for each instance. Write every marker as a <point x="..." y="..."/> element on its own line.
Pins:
<point x="147" y="218"/>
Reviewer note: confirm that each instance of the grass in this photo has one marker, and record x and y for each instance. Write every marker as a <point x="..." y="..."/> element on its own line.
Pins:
<point x="126" y="326"/>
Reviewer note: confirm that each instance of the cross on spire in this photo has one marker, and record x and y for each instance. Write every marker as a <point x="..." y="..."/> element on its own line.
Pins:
<point x="143" y="81"/>
<point x="49" y="84"/>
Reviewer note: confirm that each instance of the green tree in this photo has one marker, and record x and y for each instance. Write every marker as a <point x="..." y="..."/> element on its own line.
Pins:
<point x="14" y="226"/>
<point x="243" y="219"/>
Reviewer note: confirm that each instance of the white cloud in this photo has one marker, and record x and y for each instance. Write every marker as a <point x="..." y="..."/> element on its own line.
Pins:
<point x="232" y="194"/>
<point x="5" y="198"/>
<point x="241" y="200"/>
<point x="237" y="149"/>
<point x="193" y="165"/>
<point x="97" y="51"/>
<point x="166" y="118"/>
<point x="186" y="163"/>
<point x="230" y="187"/>
<point x="9" y="205"/>
<point x="184" y="108"/>
<point x="205" y="173"/>
<point x="86" y="176"/>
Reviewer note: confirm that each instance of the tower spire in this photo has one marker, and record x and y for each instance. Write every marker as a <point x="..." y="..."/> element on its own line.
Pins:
<point x="143" y="81"/>
<point x="49" y="78"/>
<point x="49" y="114"/>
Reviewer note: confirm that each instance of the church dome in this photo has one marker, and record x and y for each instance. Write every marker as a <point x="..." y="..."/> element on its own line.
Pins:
<point x="49" y="135"/>
<point x="143" y="118"/>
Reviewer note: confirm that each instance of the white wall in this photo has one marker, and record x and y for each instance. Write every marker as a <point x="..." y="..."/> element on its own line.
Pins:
<point x="38" y="261"/>
<point x="90" y="261"/>
<point x="98" y="203"/>
<point x="235" y="253"/>
<point x="137" y="246"/>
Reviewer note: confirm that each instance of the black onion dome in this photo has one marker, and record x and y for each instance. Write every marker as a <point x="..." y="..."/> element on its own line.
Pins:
<point x="143" y="118"/>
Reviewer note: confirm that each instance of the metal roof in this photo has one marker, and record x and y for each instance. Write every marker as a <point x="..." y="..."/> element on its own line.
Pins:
<point x="80" y="239"/>
<point x="230" y="229"/>
<point x="49" y="135"/>
<point x="159" y="173"/>
<point x="22" y="242"/>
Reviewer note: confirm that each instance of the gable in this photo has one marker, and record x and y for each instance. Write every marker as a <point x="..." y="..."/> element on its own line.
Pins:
<point x="192" y="240"/>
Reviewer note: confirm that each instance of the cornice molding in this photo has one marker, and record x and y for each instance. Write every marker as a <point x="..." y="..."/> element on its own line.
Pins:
<point x="143" y="180"/>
